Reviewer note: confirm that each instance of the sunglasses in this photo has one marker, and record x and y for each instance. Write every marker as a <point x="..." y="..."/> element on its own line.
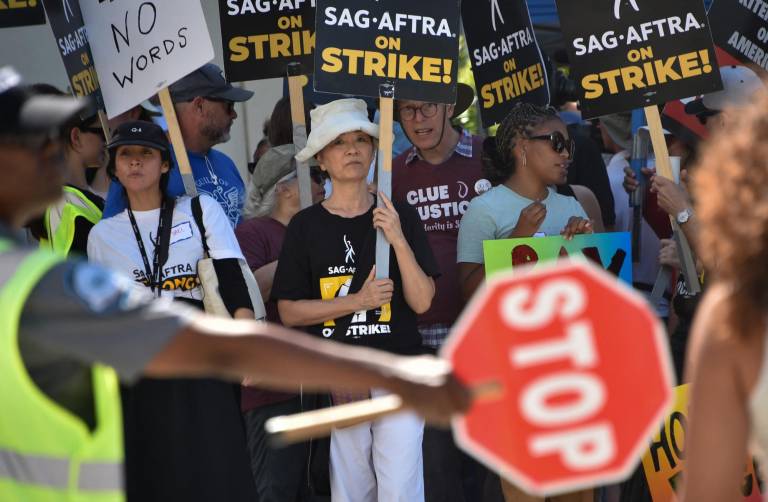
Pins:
<point x="93" y="130"/>
<point x="558" y="142"/>
<point x="229" y="104"/>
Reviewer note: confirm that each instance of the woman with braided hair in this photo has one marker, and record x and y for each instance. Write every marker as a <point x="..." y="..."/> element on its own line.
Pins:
<point x="527" y="158"/>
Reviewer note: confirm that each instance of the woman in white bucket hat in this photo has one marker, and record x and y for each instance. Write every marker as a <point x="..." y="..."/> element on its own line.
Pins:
<point x="325" y="282"/>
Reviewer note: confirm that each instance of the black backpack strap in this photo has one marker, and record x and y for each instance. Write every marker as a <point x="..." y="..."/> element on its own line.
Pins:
<point x="197" y="213"/>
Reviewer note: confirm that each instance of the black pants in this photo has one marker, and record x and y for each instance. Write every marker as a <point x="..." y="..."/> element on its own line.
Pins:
<point x="450" y="475"/>
<point x="279" y="473"/>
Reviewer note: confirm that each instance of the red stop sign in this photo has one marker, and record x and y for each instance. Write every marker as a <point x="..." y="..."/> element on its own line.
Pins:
<point x="585" y="370"/>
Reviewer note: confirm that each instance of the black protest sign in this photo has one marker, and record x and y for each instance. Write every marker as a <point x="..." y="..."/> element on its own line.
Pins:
<point x="23" y="12"/>
<point x="412" y="44"/>
<point x="68" y="28"/>
<point x="740" y="28"/>
<point x="261" y="37"/>
<point x="628" y="54"/>
<point x="505" y="56"/>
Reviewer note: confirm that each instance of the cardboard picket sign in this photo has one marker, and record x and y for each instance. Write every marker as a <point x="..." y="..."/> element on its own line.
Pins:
<point x="68" y="29"/>
<point x="610" y="251"/>
<point x="15" y="13"/>
<point x="664" y="460"/>
<point x="630" y="54"/>
<point x="141" y="47"/>
<point x="262" y="37"/>
<point x="364" y="43"/>
<point x="740" y="28"/>
<point x="505" y="56"/>
<point x="740" y="33"/>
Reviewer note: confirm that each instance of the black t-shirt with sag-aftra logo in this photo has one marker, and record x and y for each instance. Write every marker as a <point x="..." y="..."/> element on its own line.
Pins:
<point x="320" y="255"/>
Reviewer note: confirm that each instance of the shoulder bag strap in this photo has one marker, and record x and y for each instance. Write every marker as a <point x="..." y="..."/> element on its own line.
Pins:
<point x="197" y="213"/>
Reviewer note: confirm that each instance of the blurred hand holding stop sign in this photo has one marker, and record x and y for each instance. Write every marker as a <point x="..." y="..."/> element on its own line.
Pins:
<point x="585" y="370"/>
<point x="572" y="372"/>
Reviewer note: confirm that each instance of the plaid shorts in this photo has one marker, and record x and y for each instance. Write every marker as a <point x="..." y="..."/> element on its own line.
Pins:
<point x="433" y="335"/>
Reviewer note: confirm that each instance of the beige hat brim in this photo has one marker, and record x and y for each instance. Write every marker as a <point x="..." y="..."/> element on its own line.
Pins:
<point x="320" y="138"/>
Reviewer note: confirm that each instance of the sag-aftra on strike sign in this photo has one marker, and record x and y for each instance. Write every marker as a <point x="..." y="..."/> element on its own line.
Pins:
<point x="634" y="53"/>
<point x="364" y="43"/>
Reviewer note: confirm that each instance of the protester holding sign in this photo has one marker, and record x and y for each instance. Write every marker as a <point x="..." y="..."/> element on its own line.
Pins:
<point x="191" y="427"/>
<point x="204" y="104"/>
<point x="728" y="356"/>
<point x="325" y="281"/>
<point x="528" y="156"/>
<point x="438" y="176"/>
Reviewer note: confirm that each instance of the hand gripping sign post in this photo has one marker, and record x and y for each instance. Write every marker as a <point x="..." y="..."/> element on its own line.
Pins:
<point x="72" y="41"/>
<point x="413" y="47"/>
<point x="572" y="392"/>
<point x="506" y="60"/>
<point x="140" y="48"/>
<point x="638" y="54"/>
<point x="267" y="39"/>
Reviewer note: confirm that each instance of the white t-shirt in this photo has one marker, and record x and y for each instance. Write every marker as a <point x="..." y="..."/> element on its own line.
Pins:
<point x="112" y="243"/>
<point x="494" y="214"/>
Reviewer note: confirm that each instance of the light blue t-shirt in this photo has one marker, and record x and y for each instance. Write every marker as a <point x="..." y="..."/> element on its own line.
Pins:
<point x="217" y="178"/>
<point x="494" y="214"/>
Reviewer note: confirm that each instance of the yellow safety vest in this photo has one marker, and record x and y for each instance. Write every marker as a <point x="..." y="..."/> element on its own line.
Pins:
<point x="77" y="205"/>
<point x="46" y="452"/>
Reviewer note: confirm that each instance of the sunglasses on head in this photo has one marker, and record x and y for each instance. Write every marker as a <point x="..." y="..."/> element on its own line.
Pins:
<point x="558" y="142"/>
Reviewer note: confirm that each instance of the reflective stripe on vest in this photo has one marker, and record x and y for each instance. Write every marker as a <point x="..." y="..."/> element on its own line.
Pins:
<point x="60" y="234"/>
<point x="54" y="472"/>
<point x="46" y="452"/>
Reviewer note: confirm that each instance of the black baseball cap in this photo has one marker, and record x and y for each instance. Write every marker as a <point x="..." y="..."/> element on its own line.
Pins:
<point x="23" y="111"/>
<point x="208" y="82"/>
<point x="141" y="133"/>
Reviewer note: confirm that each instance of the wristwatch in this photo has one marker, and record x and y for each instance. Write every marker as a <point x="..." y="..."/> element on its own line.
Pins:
<point x="683" y="216"/>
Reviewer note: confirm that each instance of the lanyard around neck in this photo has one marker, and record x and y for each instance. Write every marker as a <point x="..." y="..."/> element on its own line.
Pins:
<point x="154" y="272"/>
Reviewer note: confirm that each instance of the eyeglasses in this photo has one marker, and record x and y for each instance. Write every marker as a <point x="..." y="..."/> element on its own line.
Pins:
<point x="229" y="104"/>
<point x="409" y="112"/>
<point x="558" y="142"/>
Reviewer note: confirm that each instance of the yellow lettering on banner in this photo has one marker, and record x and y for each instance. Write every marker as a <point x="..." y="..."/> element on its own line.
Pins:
<point x="513" y="85"/>
<point x="273" y="45"/>
<point x="85" y="82"/>
<point x="329" y="289"/>
<point x="658" y="71"/>
<point x="380" y="64"/>
<point x="664" y="460"/>
<point x="17" y="4"/>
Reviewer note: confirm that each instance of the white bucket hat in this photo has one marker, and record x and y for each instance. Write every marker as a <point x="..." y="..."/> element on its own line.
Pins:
<point x="331" y="120"/>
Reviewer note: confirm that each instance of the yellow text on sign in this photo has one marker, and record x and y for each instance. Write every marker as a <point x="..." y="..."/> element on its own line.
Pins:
<point x="389" y="65"/>
<point x="649" y="73"/>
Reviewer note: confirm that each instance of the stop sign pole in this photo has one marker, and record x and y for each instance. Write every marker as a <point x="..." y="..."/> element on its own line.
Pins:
<point x="572" y="371"/>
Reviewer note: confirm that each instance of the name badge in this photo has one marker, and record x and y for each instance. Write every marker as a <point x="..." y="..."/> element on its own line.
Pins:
<point x="181" y="232"/>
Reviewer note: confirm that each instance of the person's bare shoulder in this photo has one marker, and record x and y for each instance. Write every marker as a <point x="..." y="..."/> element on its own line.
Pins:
<point x="715" y="347"/>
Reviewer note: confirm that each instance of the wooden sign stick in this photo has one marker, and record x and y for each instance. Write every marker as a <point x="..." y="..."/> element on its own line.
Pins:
<point x="182" y="159"/>
<point x="105" y="126"/>
<point x="299" y="120"/>
<point x="384" y="171"/>
<point x="664" y="168"/>
<point x="291" y="429"/>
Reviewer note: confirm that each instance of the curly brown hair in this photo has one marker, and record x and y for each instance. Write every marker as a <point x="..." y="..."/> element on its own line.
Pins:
<point x="731" y="192"/>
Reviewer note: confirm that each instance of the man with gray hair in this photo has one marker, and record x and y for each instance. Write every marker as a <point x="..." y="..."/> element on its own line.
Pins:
<point x="205" y="107"/>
